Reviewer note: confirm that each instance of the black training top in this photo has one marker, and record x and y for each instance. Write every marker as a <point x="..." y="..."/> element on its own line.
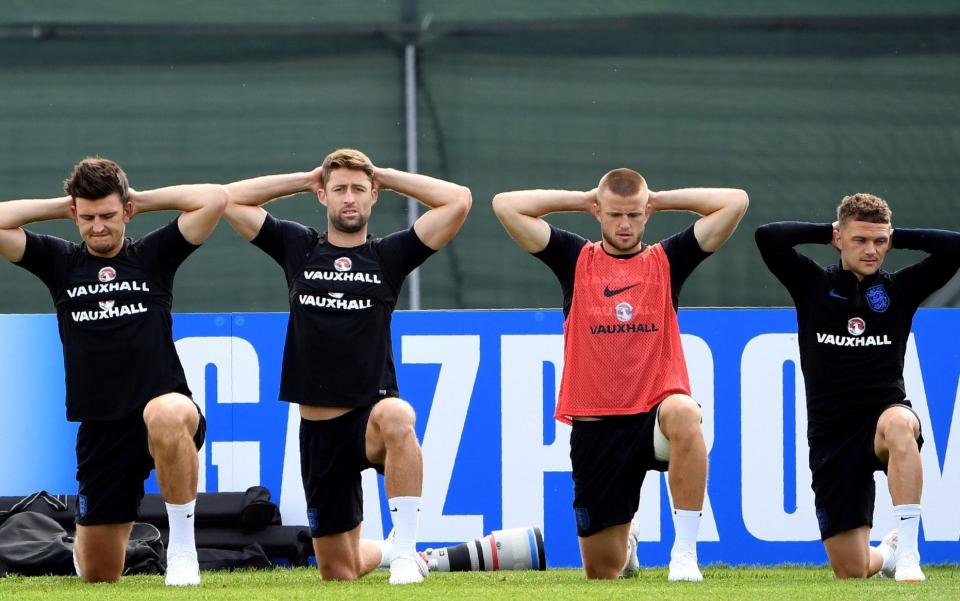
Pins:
<point x="853" y="334"/>
<point x="114" y="318"/>
<point x="561" y="253"/>
<point x="338" y="351"/>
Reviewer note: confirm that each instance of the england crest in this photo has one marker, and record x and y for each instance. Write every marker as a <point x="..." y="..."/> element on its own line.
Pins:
<point x="877" y="298"/>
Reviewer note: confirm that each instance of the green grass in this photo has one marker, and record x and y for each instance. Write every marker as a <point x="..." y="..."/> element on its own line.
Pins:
<point x="751" y="584"/>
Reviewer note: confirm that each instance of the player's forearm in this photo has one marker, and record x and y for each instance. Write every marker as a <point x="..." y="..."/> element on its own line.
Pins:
<point x="787" y="234"/>
<point x="186" y="198"/>
<point x="430" y="191"/>
<point x="537" y="203"/>
<point x="261" y="190"/>
<point x="702" y="201"/>
<point x="931" y="241"/>
<point x="17" y="213"/>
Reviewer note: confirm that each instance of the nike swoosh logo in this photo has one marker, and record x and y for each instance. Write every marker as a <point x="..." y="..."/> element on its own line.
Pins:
<point x="608" y="292"/>
<point x="912" y="517"/>
<point x="394" y="510"/>
<point x="189" y="516"/>
<point x="836" y="294"/>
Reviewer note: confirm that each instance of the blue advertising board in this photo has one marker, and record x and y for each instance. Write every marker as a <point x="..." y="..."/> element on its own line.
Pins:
<point x="484" y="386"/>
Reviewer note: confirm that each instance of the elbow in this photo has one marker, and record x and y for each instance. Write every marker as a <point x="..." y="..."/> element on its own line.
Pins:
<point x="741" y="201"/>
<point x="464" y="200"/>
<point x="501" y="205"/>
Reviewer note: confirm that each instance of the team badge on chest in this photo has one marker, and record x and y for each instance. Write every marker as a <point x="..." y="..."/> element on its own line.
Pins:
<point x="107" y="274"/>
<point x="877" y="298"/>
<point x="624" y="311"/>
<point x="343" y="264"/>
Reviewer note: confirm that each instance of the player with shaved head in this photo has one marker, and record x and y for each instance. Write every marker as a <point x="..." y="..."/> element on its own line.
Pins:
<point x="854" y="319"/>
<point x="625" y="388"/>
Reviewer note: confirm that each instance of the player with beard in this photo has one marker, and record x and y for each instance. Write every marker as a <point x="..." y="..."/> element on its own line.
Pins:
<point x="337" y="359"/>
<point x="124" y="381"/>
<point x="625" y="388"/>
<point x="854" y="321"/>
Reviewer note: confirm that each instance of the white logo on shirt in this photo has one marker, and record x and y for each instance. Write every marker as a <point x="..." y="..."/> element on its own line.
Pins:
<point x="856" y="326"/>
<point x="343" y="264"/>
<point x="107" y="274"/>
<point x="624" y="311"/>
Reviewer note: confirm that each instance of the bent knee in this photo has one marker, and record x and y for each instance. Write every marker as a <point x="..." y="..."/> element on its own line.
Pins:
<point x="679" y="415"/>
<point x="337" y="571"/>
<point x="602" y="572"/>
<point x="94" y="575"/>
<point x="165" y="414"/>
<point x="845" y="572"/>
<point x="394" y="415"/>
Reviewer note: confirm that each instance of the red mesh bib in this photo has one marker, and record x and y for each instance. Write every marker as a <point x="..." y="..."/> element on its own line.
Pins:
<point x="622" y="353"/>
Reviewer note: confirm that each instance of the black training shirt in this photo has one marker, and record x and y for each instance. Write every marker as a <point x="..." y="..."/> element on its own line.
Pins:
<point x="338" y="351"/>
<point x="853" y="334"/>
<point x="562" y="251"/>
<point x="114" y="319"/>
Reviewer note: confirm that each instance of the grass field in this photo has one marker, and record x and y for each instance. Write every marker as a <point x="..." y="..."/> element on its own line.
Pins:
<point x="721" y="583"/>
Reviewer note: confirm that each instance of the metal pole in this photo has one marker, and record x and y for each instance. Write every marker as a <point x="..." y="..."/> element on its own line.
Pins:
<point x="413" y="207"/>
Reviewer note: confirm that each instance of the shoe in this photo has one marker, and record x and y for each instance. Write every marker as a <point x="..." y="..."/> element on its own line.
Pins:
<point x="683" y="567"/>
<point x="182" y="569"/>
<point x="632" y="567"/>
<point x="408" y="569"/>
<point x="889" y="567"/>
<point x="908" y="568"/>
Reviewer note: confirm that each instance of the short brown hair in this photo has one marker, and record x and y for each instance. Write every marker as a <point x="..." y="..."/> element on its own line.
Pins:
<point x="94" y="178"/>
<point x="864" y="207"/>
<point x="347" y="158"/>
<point x="623" y="182"/>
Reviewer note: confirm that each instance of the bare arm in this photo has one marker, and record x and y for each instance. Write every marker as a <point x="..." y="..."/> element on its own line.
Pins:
<point x="449" y="203"/>
<point x="16" y="213"/>
<point x="202" y="206"/>
<point x="721" y="209"/>
<point x="521" y="213"/>
<point x="244" y="212"/>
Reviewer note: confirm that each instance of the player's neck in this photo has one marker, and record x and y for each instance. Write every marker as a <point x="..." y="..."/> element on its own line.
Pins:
<point x="344" y="239"/>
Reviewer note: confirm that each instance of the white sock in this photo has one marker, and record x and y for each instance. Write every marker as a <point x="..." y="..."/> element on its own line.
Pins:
<point x="908" y="524"/>
<point x="386" y="552"/>
<point x="687" y="525"/>
<point x="887" y="554"/>
<point x="405" y="512"/>
<point x="181" y="528"/>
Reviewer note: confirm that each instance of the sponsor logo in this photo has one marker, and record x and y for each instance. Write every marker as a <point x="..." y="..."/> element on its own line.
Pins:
<point x="312" y="520"/>
<point x="853" y="340"/>
<point x="608" y="292"/>
<point x="325" y="302"/>
<point x="108" y="311"/>
<point x="82" y="505"/>
<point x="624" y="328"/>
<point x="343" y="264"/>
<point x="856" y="326"/>
<point x="834" y="294"/>
<point x="107" y="274"/>
<point x="107" y="288"/>
<point x="624" y="311"/>
<point x="342" y="276"/>
<point x="877" y="298"/>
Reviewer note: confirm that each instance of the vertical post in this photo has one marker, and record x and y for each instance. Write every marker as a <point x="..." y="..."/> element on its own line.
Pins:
<point x="413" y="207"/>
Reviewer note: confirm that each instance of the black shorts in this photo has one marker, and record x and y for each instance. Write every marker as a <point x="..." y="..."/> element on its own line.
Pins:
<point x="610" y="457"/>
<point x="113" y="460"/>
<point x="843" y="484"/>
<point x="332" y="454"/>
